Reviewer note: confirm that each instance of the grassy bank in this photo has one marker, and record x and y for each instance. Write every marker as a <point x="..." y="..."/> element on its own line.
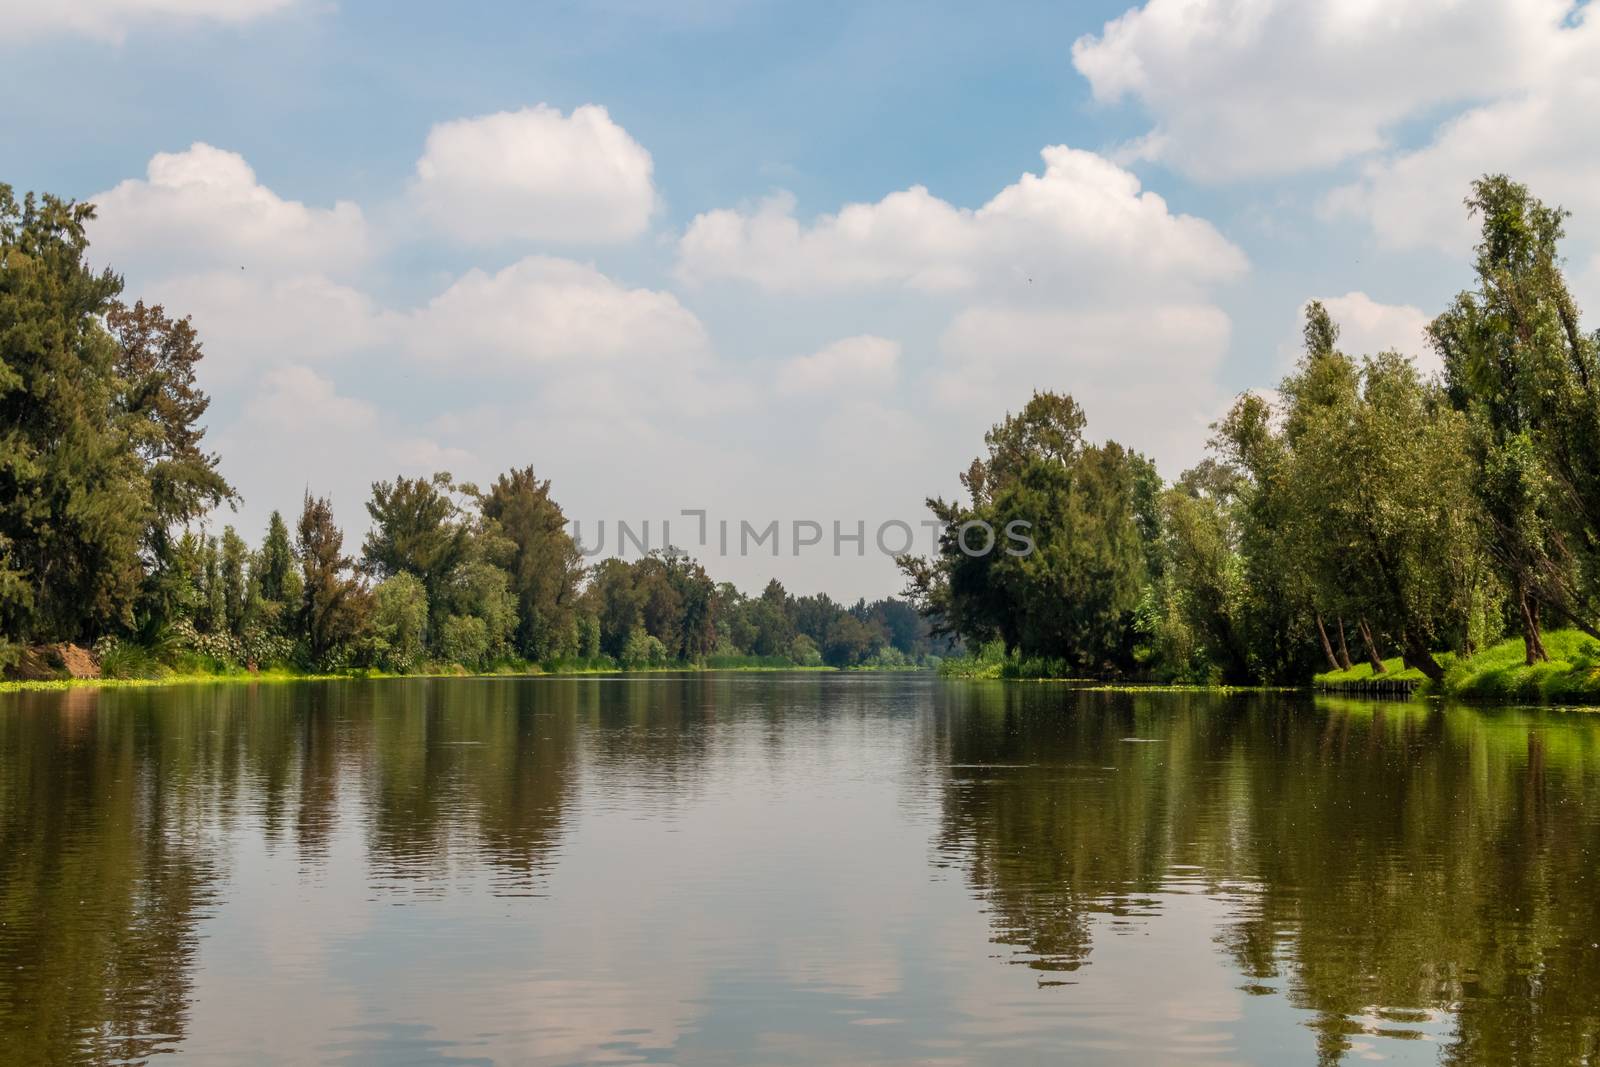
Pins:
<point x="1361" y="675"/>
<point x="1499" y="673"/>
<point x="1572" y="676"/>
<point x="232" y="677"/>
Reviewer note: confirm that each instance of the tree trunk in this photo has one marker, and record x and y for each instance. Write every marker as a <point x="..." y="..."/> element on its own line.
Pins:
<point x="1532" y="642"/>
<point x="1372" y="648"/>
<point x="1344" y="649"/>
<point x="1417" y="655"/>
<point x="1327" y="646"/>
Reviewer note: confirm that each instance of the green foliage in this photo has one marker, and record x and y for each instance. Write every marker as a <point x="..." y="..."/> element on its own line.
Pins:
<point x="1088" y="512"/>
<point x="531" y="541"/>
<point x="643" y="650"/>
<point x="399" y="623"/>
<point x="417" y="529"/>
<point x="1527" y="378"/>
<point x="76" y="495"/>
<point x="332" y="606"/>
<point x="803" y="652"/>
<point x="483" y="591"/>
<point x="464" y="639"/>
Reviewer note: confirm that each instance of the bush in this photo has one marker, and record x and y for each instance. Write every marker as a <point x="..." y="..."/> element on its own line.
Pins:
<point x="464" y="639"/>
<point x="643" y="650"/>
<point x="804" y="652"/>
<point x="399" y="617"/>
<point x="124" y="659"/>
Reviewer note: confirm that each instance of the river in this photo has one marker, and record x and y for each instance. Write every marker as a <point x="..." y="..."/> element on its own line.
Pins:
<point x="801" y="868"/>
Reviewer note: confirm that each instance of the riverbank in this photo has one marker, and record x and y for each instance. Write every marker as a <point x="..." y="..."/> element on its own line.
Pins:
<point x="1498" y="673"/>
<point x="532" y="671"/>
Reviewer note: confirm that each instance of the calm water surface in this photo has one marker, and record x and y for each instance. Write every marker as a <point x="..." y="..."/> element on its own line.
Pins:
<point x="791" y="869"/>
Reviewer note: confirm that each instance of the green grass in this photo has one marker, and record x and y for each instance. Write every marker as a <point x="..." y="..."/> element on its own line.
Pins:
<point x="1572" y="676"/>
<point x="432" y="670"/>
<point x="1394" y="670"/>
<point x="1499" y="673"/>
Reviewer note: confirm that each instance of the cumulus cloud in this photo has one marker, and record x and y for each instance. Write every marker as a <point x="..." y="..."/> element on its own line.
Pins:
<point x="857" y="363"/>
<point x="1367" y="327"/>
<point x="1084" y="225"/>
<point x="253" y="322"/>
<point x="111" y="19"/>
<point x="542" y="311"/>
<point x="1147" y="379"/>
<point x="298" y="398"/>
<point x="535" y="175"/>
<point x="299" y="431"/>
<point x="1413" y="198"/>
<point x="1263" y="87"/>
<point x="203" y="208"/>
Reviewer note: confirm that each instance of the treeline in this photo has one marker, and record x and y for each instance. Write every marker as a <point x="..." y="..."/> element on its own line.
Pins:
<point x="456" y="576"/>
<point x="1367" y="512"/>
<point x="105" y="489"/>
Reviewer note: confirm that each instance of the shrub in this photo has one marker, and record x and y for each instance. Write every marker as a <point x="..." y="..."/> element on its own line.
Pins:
<point x="464" y="639"/>
<point x="643" y="650"/>
<point x="399" y="617"/>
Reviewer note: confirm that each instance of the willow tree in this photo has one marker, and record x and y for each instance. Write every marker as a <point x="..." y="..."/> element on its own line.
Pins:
<point x="1381" y="490"/>
<point x="1517" y="363"/>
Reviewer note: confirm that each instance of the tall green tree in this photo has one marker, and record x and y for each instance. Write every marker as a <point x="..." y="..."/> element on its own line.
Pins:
<point x="543" y="560"/>
<point x="417" y="528"/>
<point x="1518" y="363"/>
<point x="330" y="603"/>
<point x="235" y="554"/>
<point x="1073" y="592"/>
<point x="162" y="407"/>
<point x="73" y="500"/>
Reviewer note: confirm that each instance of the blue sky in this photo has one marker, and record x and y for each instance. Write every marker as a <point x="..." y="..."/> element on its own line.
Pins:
<point x="667" y="335"/>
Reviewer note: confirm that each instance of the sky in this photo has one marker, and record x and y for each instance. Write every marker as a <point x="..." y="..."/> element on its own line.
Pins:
<point x="743" y="262"/>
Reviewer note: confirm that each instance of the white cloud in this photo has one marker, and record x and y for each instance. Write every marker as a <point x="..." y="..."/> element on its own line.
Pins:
<point x="299" y="432"/>
<point x="111" y="19"/>
<point x="1084" y="226"/>
<point x="203" y="208"/>
<point x="1262" y="87"/>
<point x="1146" y="378"/>
<point x="296" y="398"/>
<point x="861" y="363"/>
<point x="1367" y="327"/>
<point x="250" y="322"/>
<point x="1414" y="199"/>
<point x="541" y="311"/>
<point x="535" y="175"/>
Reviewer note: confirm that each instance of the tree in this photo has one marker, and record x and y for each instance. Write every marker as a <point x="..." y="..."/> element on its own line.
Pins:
<point x="1279" y="601"/>
<point x="276" y="563"/>
<point x="616" y="605"/>
<point x="330" y="608"/>
<point x="74" y="504"/>
<point x="464" y="639"/>
<point x="275" y="587"/>
<point x="1194" y="612"/>
<point x="162" y="406"/>
<point x="1381" y="482"/>
<point x="234" y="554"/>
<point x="851" y="642"/>
<point x="213" y="615"/>
<point x="1518" y="364"/>
<point x="481" y="590"/>
<point x="543" y="560"/>
<point x="769" y="616"/>
<point x="1088" y="509"/>
<point x="416" y="529"/>
<point x="399" y="622"/>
